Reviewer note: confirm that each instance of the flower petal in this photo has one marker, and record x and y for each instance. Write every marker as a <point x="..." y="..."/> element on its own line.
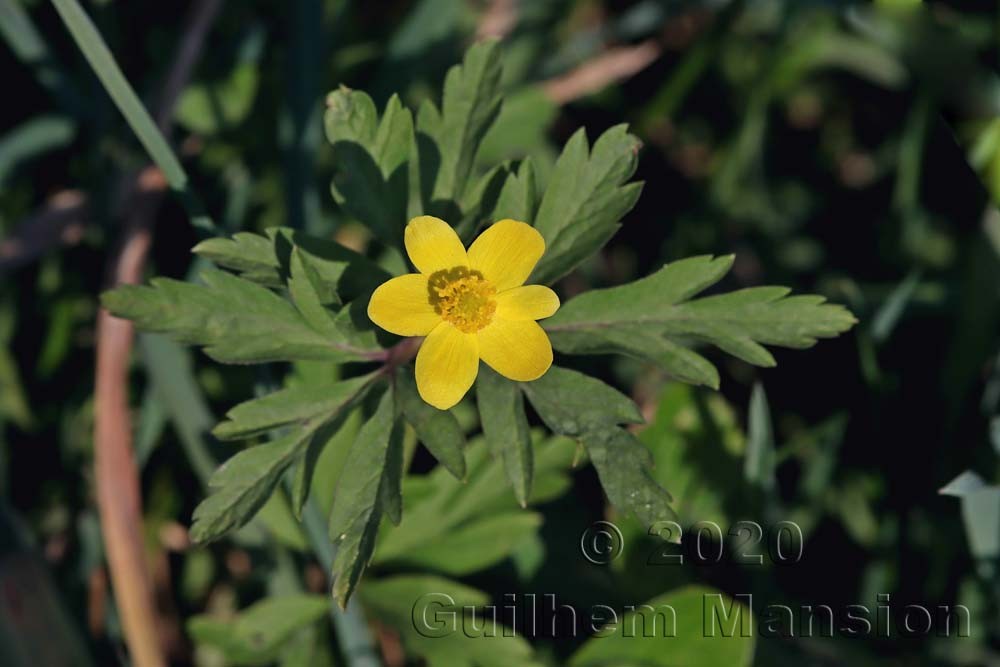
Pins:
<point x="433" y="245"/>
<point x="518" y="350"/>
<point x="528" y="302"/>
<point x="447" y="364"/>
<point x="506" y="253"/>
<point x="401" y="306"/>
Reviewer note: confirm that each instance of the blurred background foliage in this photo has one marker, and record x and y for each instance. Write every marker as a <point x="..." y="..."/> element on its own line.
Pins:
<point x="846" y="149"/>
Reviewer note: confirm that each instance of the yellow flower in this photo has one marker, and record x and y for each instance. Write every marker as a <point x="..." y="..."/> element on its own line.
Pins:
<point x="470" y="305"/>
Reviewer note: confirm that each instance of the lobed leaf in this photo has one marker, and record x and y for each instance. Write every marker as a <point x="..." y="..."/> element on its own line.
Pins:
<point x="247" y="253"/>
<point x="518" y="198"/>
<point x="344" y="274"/>
<point x="586" y="196"/>
<point x="623" y="465"/>
<point x="371" y="157"/>
<point x="447" y="140"/>
<point x="235" y="320"/>
<point x="295" y="405"/>
<point x="480" y="198"/>
<point x="242" y="485"/>
<point x="357" y="489"/>
<point x="305" y="287"/>
<point x="576" y="405"/>
<point x="505" y="428"/>
<point x="350" y="324"/>
<point x="571" y="403"/>
<point x="304" y="468"/>
<point x="369" y="485"/>
<point x="739" y="322"/>
<point x="390" y="491"/>
<point x="652" y="319"/>
<point x="438" y="430"/>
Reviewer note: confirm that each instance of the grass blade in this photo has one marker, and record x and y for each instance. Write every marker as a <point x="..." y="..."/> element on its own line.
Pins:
<point x="103" y="63"/>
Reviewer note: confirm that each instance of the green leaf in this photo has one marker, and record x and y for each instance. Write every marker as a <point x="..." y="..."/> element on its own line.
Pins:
<point x="305" y="287"/>
<point x="247" y="253"/>
<point x="518" y="198"/>
<point x="437" y="429"/>
<point x="631" y="318"/>
<point x="478" y="201"/>
<point x="243" y="484"/>
<point x="360" y="496"/>
<point x="649" y="636"/>
<point x="576" y="405"/>
<point x="739" y="322"/>
<point x="390" y="491"/>
<point x="308" y="291"/>
<point x="208" y="108"/>
<point x="439" y="506"/>
<point x="623" y="464"/>
<point x="505" y="427"/>
<point x="393" y="596"/>
<point x="257" y="634"/>
<point x="237" y="321"/>
<point x="371" y="158"/>
<point x="310" y="647"/>
<point x="295" y="405"/>
<point x="452" y="637"/>
<point x="571" y="403"/>
<point x="447" y="140"/>
<point x="759" y="464"/>
<point x="328" y="461"/>
<point x="585" y="198"/>
<point x="475" y="545"/>
<point x="304" y="468"/>
<point x="697" y="448"/>
<point x="344" y="275"/>
<point x="357" y="490"/>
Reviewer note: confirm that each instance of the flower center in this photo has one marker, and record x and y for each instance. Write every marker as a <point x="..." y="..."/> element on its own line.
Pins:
<point x="463" y="297"/>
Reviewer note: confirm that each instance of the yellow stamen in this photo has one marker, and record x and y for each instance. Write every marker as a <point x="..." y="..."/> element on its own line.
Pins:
<point x="462" y="297"/>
